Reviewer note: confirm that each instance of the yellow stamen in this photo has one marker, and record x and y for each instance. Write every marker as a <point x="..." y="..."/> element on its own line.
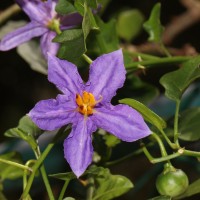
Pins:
<point x="86" y="103"/>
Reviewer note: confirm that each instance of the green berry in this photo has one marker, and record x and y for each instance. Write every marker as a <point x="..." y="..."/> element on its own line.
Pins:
<point x="172" y="183"/>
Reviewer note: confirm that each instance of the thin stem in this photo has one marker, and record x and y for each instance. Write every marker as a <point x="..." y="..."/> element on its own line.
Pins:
<point x="44" y="175"/>
<point x="90" y="189"/>
<point x="137" y="152"/>
<point x="39" y="162"/>
<point x="162" y="159"/>
<point x="149" y="63"/>
<point x="161" y="145"/>
<point x="87" y="59"/>
<point x="165" y="49"/>
<point x="146" y="152"/>
<point x="176" y="134"/>
<point x="191" y="153"/>
<point x="145" y="56"/>
<point x="23" y="167"/>
<point x="171" y="144"/>
<point x="46" y="182"/>
<point x="28" y="163"/>
<point x="9" y="12"/>
<point x="62" y="193"/>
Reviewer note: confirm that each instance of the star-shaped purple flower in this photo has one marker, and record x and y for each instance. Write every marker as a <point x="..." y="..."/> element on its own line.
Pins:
<point x="45" y="22"/>
<point x="87" y="107"/>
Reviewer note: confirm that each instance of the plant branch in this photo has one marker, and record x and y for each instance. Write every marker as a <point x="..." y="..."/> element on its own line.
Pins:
<point x="23" y="167"/>
<point x="9" y="12"/>
<point x="160" y="61"/>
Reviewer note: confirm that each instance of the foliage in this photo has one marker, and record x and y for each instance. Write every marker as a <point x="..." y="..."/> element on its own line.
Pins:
<point x="156" y="72"/>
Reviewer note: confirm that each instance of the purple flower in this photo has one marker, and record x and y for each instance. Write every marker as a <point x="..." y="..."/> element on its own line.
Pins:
<point x="45" y="22"/>
<point x="87" y="107"/>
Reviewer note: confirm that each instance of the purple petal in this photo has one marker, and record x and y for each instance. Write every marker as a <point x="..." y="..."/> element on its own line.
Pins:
<point x="21" y="35"/>
<point x="54" y="113"/>
<point x="65" y="76"/>
<point x="107" y="74"/>
<point x="36" y="10"/>
<point x="78" y="148"/>
<point x="122" y="121"/>
<point x="47" y="45"/>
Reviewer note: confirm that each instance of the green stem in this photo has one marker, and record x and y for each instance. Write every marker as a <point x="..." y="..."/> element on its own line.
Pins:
<point x="90" y="189"/>
<point x="162" y="159"/>
<point x="146" y="152"/>
<point x="39" y="162"/>
<point x="144" y="56"/>
<point x="28" y="163"/>
<point x="87" y="59"/>
<point x="23" y="167"/>
<point x="46" y="182"/>
<point x="161" y="145"/>
<point x="149" y="63"/>
<point x="62" y="193"/>
<point x="176" y="134"/>
<point x="171" y="144"/>
<point x="44" y="175"/>
<point x="165" y="49"/>
<point x="137" y="152"/>
<point x="191" y="153"/>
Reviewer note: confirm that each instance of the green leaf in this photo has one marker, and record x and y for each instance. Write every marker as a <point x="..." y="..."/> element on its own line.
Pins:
<point x="111" y="140"/>
<point x="153" y="25"/>
<point x="69" y="198"/>
<point x="176" y="82"/>
<point x="68" y="35"/>
<point x="161" y="198"/>
<point x="65" y="7"/>
<point x="71" y="39"/>
<point x="189" y="125"/>
<point x="129" y="24"/>
<point x="148" y="114"/>
<point x="89" y="22"/>
<point x="8" y="171"/>
<point x="108" y="186"/>
<point x="191" y="190"/>
<point x="107" y="36"/>
<point x="105" y="40"/>
<point x="92" y="3"/>
<point x="79" y="5"/>
<point x="64" y="176"/>
<point x="25" y="130"/>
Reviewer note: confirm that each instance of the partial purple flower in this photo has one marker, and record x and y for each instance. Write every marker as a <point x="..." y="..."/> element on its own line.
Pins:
<point x="87" y="107"/>
<point x="45" y="22"/>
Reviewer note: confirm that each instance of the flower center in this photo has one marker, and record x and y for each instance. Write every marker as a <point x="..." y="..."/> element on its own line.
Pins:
<point x="86" y="103"/>
<point x="54" y="25"/>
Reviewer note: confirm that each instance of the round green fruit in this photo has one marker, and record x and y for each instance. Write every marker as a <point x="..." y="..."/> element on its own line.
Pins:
<point x="172" y="183"/>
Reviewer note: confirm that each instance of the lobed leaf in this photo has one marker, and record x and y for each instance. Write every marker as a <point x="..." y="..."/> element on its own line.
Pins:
<point x="153" y="25"/>
<point x="108" y="186"/>
<point x="176" y="82"/>
<point x="25" y="130"/>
